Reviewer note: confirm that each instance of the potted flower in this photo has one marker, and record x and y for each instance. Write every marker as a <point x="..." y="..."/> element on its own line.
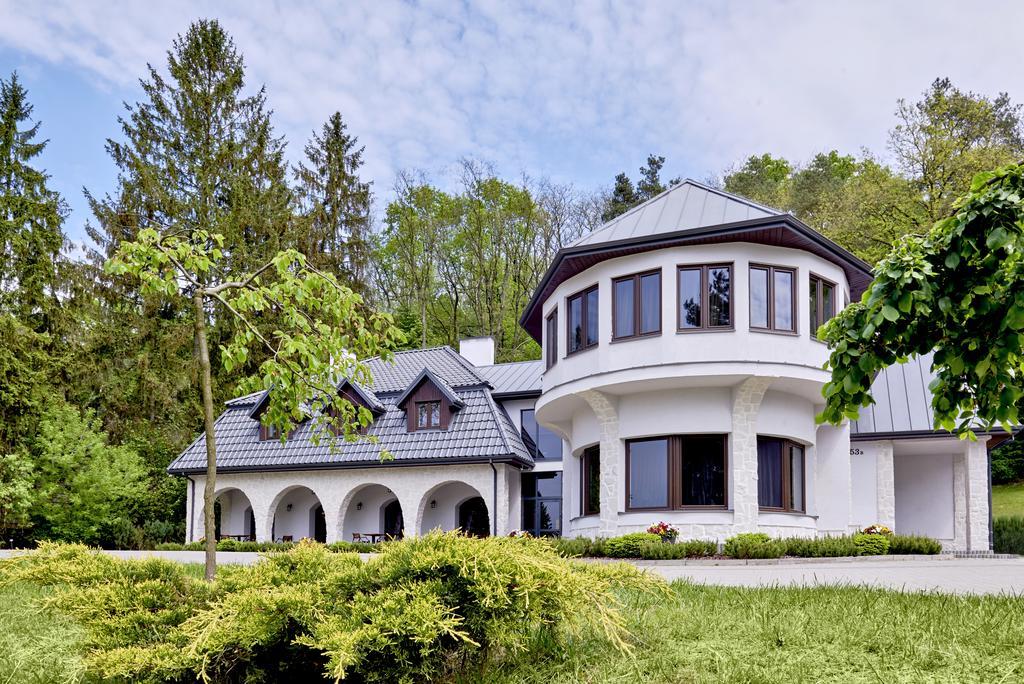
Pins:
<point x="667" y="532"/>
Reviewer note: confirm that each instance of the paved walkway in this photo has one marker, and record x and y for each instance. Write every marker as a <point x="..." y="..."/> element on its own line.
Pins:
<point x="948" y="575"/>
<point x="937" y="573"/>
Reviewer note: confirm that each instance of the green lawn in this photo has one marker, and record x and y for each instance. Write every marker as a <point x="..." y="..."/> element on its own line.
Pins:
<point x="699" y="634"/>
<point x="718" y="634"/>
<point x="1008" y="499"/>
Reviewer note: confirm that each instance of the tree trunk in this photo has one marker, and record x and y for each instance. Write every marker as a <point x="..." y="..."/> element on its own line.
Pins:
<point x="209" y="524"/>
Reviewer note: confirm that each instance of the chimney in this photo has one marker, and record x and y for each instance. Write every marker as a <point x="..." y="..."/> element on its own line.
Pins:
<point x="479" y="351"/>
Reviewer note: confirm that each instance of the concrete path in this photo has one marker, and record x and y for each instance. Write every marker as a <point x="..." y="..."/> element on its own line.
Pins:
<point x="947" y="575"/>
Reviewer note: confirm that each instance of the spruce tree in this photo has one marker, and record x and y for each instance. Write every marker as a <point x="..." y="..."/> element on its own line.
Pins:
<point x="335" y="204"/>
<point x="31" y="215"/>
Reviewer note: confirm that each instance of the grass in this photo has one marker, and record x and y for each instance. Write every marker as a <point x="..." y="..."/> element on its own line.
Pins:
<point x="822" y="634"/>
<point x="1008" y="499"/>
<point x="699" y="634"/>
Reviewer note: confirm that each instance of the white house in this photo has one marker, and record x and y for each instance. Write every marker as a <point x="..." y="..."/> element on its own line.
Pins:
<point x="680" y="382"/>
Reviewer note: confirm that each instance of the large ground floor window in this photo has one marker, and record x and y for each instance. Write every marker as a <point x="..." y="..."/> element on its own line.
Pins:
<point x="780" y="475"/>
<point x="590" y="481"/>
<point x="677" y="471"/>
<point x="542" y="504"/>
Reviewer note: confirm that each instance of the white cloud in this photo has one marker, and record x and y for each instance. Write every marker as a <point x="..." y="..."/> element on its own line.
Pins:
<point x="577" y="91"/>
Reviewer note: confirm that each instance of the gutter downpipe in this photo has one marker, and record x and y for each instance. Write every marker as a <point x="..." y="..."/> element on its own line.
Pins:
<point x="494" y="497"/>
<point x="192" y="509"/>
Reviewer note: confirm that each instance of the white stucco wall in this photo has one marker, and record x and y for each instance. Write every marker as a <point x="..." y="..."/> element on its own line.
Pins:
<point x="924" y="494"/>
<point x="863" y="481"/>
<point x="270" y="492"/>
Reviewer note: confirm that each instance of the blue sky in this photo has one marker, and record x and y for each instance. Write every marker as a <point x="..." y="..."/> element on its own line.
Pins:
<point x="575" y="91"/>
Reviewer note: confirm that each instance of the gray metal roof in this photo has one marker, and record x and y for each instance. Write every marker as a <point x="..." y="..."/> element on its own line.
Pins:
<point x="903" y="402"/>
<point x="479" y="431"/>
<point x="687" y="205"/>
<point x="521" y="377"/>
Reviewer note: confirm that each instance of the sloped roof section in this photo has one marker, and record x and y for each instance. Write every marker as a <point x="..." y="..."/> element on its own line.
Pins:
<point x="479" y="432"/>
<point x="522" y="378"/>
<point x="690" y="213"/>
<point x="687" y="205"/>
<point x="426" y="375"/>
<point x="903" y="402"/>
<point x="444" y="362"/>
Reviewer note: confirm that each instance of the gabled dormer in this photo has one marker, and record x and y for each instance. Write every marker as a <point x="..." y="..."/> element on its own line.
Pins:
<point x="357" y="395"/>
<point x="268" y="433"/>
<point x="429" y="403"/>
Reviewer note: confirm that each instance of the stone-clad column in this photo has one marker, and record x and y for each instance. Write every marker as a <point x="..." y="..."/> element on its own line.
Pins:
<point x="885" y="483"/>
<point x="976" y="477"/>
<point x="746" y="403"/>
<point x="960" y="501"/>
<point x="605" y="408"/>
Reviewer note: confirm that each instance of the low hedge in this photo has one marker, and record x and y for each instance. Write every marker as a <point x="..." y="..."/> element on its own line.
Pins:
<point x="1008" y="534"/>
<point x="235" y="545"/>
<point x="754" y="545"/>
<point x="685" y="549"/>
<point x="871" y="544"/>
<point x="912" y="544"/>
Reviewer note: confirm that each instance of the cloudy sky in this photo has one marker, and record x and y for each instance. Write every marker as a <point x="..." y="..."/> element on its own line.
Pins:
<point x="573" y="91"/>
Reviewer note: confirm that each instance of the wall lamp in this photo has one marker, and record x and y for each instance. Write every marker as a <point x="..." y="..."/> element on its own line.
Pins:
<point x="433" y="503"/>
<point x="359" y="506"/>
<point x="288" y="507"/>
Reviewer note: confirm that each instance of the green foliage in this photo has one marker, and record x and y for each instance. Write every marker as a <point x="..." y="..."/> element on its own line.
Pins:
<point x="904" y="544"/>
<point x="1008" y="462"/>
<point x="1008" y="534"/>
<point x="31" y="216"/>
<point x="579" y="547"/>
<point x="423" y="609"/>
<point x="957" y="291"/>
<point x="871" y="544"/>
<point x="753" y="545"/>
<point x="662" y="550"/>
<point x="83" y="485"/>
<point x="820" y="547"/>
<point x="624" y="196"/>
<point x="629" y="545"/>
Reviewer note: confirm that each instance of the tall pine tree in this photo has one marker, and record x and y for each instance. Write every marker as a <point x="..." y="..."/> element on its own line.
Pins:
<point x="31" y="215"/>
<point x="335" y="204"/>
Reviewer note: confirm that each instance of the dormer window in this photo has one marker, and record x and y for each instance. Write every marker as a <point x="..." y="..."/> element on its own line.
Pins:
<point x="269" y="433"/>
<point x="428" y="415"/>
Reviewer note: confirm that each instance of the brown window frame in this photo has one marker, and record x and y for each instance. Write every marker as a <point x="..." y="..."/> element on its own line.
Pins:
<point x="705" y="308"/>
<point x="590" y="457"/>
<point x="676" y="456"/>
<point x="429" y="425"/>
<point x="820" y="299"/>
<point x="551" y="333"/>
<point x="771" y="269"/>
<point x="266" y="436"/>
<point x="584" y="295"/>
<point x="787" y="477"/>
<point x="637" y="305"/>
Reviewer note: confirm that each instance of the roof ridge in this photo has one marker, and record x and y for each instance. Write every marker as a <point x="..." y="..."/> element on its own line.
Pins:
<point x="733" y="196"/>
<point x="466" y="364"/>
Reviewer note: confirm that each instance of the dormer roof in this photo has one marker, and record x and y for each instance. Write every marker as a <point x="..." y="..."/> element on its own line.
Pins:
<point x="689" y="213"/>
<point x="426" y="375"/>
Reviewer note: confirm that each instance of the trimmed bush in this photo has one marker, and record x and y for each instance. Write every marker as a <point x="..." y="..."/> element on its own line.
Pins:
<point x="170" y="546"/>
<point x="686" y="549"/>
<point x="629" y="545"/>
<point x="913" y="544"/>
<point x="425" y="609"/>
<point x="356" y="547"/>
<point x="820" y="547"/>
<point x="753" y="545"/>
<point x="871" y="544"/>
<point x="1008" y="534"/>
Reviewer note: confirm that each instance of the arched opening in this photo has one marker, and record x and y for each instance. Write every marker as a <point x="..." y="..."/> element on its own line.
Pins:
<point x="373" y="513"/>
<point x="473" y="518"/>
<point x="232" y="515"/>
<point x="455" y="506"/>
<point x="296" y="516"/>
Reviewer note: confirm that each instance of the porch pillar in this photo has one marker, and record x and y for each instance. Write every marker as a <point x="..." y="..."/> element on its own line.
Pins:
<point x="960" y="501"/>
<point x="885" y="483"/>
<point x="605" y="407"/>
<point x="264" y="519"/>
<point x="746" y="403"/>
<point x="977" y="496"/>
